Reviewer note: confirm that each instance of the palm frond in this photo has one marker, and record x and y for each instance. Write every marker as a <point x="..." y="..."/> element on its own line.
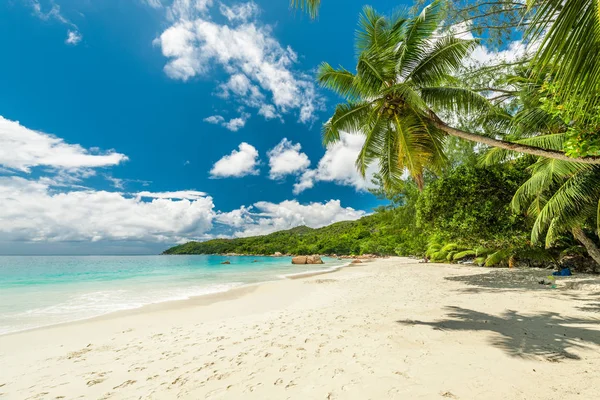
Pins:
<point x="569" y="32"/>
<point x="310" y="6"/>
<point x="445" y="57"/>
<point x="455" y="99"/>
<point x="419" y="31"/>
<point x="339" y="80"/>
<point x="347" y="117"/>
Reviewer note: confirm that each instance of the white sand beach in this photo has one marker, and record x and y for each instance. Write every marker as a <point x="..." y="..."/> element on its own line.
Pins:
<point x="387" y="329"/>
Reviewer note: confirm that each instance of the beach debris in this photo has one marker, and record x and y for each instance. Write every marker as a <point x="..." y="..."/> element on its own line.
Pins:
<point x="563" y="272"/>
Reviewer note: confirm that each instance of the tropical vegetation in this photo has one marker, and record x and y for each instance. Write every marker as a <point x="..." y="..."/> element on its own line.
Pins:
<point x="525" y="187"/>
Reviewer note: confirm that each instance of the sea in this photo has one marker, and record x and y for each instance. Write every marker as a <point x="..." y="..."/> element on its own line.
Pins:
<point x="37" y="291"/>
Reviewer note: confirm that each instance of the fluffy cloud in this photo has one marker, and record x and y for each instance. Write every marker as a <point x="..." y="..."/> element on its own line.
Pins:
<point x="286" y="159"/>
<point x="265" y="217"/>
<point x="187" y="9"/>
<point x="239" y="163"/>
<point x="178" y="195"/>
<point x="482" y="55"/>
<point x="57" y="210"/>
<point x="260" y="68"/>
<point x="233" y="124"/>
<point x="33" y="211"/>
<point x="73" y="37"/>
<point x="239" y="12"/>
<point x="22" y="148"/>
<point x="338" y="165"/>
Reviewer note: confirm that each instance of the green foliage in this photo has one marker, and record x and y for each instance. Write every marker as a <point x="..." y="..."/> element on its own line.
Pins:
<point x="500" y="256"/>
<point x="380" y="233"/>
<point x="463" y="254"/>
<point x="470" y="207"/>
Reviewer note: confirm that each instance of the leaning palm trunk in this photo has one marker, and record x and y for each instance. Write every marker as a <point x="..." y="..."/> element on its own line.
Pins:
<point x="517" y="147"/>
<point x="588" y="243"/>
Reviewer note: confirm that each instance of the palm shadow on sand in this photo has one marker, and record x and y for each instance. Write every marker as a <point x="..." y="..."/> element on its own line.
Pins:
<point x="547" y="335"/>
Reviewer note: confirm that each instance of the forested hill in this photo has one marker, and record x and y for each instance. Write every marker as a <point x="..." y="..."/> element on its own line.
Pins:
<point x="367" y="235"/>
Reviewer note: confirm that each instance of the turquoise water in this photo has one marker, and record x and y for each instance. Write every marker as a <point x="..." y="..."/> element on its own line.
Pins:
<point x="45" y="290"/>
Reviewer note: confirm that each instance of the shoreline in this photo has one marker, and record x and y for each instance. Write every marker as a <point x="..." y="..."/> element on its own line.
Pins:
<point x="390" y="329"/>
<point x="198" y="300"/>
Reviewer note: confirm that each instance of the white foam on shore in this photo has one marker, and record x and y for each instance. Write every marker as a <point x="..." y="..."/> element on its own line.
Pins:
<point x="96" y="304"/>
<point x="306" y="274"/>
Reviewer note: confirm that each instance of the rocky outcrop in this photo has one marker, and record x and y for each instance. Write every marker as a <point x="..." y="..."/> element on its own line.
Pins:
<point x="299" y="260"/>
<point x="356" y="262"/>
<point x="307" y="260"/>
<point x="226" y="262"/>
<point x="314" y="260"/>
<point x="277" y="254"/>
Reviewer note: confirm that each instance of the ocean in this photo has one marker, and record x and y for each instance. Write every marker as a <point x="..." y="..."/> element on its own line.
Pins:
<point x="38" y="291"/>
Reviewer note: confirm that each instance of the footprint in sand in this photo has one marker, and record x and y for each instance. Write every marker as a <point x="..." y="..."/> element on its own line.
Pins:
<point x="125" y="384"/>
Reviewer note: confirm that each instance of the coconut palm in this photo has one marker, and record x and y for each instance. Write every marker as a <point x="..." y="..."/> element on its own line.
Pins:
<point x="399" y="45"/>
<point x="403" y="70"/>
<point x="562" y="196"/>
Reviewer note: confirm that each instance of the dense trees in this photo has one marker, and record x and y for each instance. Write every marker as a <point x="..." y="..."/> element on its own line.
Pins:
<point x="536" y="123"/>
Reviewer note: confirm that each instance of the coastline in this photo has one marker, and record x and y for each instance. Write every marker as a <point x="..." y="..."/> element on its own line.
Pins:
<point x="391" y="328"/>
<point x="202" y="299"/>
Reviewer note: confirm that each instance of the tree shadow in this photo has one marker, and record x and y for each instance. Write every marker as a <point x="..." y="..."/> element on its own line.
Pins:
<point x="503" y="280"/>
<point x="511" y="280"/>
<point x="547" y="335"/>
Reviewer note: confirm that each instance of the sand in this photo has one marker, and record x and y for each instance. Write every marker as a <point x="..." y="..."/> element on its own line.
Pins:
<point x="388" y="329"/>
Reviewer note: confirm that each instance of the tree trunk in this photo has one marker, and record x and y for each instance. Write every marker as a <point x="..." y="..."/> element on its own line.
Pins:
<point x="588" y="243"/>
<point x="520" y="148"/>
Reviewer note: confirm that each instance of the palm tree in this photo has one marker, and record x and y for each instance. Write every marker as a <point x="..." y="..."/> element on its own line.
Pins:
<point x="400" y="64"/>
<point x="569" y="35"/>
<point x="563" y="197"/>
<point x="389" y="49"/>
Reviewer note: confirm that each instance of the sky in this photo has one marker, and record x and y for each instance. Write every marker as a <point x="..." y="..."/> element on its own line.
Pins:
<point x="129" y="126"/>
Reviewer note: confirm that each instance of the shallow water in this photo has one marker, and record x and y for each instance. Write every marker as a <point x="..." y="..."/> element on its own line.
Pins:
<point x="45" y="290"/>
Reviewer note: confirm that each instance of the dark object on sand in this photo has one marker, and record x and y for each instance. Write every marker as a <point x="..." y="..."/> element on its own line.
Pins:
<point x="563" y="272"/>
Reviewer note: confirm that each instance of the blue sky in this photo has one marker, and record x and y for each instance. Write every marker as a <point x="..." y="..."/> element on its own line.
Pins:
<point x="130" y="126"/>
<point x="140" y="100"/>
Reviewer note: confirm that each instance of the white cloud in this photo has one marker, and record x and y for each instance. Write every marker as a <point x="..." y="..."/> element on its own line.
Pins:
<point x="266" y="217"/>
<point x="33" y="211"/>
<point x="214" y="119"/>
<point x="187" y="9"/>
<point x="268" y="111"/>
<point x="56" y="209"/>
<point x="338" y="165"/>
<point x="236" y="124"/>
<point x="482" y="55"/>
<point x="286" y="159"/>
<point x="239" y="163"/>
<point x="233" y="124"/>
<point x="153" y="3"/>
<point x="178" y="195"/>
<point x="73" y="37"/>
<point x="22" y="148"/>
<point x="239" y="12"/>
<point x="260" y="68"/>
